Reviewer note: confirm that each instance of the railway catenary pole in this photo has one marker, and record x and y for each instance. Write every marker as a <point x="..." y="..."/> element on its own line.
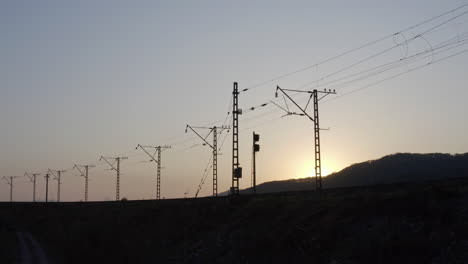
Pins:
<point x="314" y="97"/>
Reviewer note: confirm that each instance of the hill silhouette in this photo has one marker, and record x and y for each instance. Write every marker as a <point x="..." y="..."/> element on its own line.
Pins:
<point x="395" y="168"/>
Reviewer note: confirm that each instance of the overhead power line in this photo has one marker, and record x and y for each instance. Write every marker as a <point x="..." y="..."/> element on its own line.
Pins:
<point x="371" y="43"/>
<point x="446" y="45"/>
<point x="398" y="75"/>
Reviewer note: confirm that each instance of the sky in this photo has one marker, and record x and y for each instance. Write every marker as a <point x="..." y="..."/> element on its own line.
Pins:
<point x="81" y="79"/>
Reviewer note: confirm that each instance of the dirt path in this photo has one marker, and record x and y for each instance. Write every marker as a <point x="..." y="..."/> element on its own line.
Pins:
<point x="31" y="251"/>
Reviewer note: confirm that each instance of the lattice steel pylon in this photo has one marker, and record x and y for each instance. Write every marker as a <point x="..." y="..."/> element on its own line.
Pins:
<point x="236" y="169"/>
<point x="32" y="178"/>
<point x="58" y="177"/>
<point x="315" y="98"/>
<point x="214" y="147"/>
<point x="157" y="152"/>
<point x="84" y="174"/>
<point x="318" y="158"/>
<point x="117" y="169"/>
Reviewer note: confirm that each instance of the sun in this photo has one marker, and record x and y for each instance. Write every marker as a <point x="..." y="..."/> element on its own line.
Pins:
<point x="309" y="170"/>
<point x="325" y="171"/>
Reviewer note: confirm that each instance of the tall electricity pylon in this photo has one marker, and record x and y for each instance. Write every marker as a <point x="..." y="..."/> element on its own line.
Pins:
<point x="9" y="181"/>
<point x="84" y="174"/>
<point x="314" y="96"/>
<point x="157" y="151"/>
<point x="117" y="169"/>
<point x="236" y="169"/>
<point x="58" y="177"/>
<point x="32" y="178"/>
<point x="214" y="147"/>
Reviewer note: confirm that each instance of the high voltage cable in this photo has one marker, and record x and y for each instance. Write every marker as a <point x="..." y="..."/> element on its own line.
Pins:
<point x="359" y="89"/>
<point x="420" y="35"/>
<point x="453" y="41"/>
<point x="392" y="77"/>
<point x="205" y="175"/>
<point x="397" y="75"/>
<point x="380" y="66"/>
<point x="396" y="64"/>
<point x="382" y="52"/>
<point x="352" y="50"/>
<point x="459" y="43"/>
<point x="387" y="64"/>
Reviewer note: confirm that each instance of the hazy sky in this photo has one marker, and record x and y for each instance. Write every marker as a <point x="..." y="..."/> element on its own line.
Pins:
<point x="81" y="79"/>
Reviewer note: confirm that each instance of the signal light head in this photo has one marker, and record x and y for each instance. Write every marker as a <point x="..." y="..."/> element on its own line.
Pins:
<point x="256" y="137"/>
<point x="256" y="148"/>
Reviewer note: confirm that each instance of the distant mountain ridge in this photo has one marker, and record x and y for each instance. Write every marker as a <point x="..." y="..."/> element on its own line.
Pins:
<point x="399" y="167"/>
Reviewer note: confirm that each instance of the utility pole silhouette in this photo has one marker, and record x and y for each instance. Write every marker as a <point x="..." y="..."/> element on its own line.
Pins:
<point x="117" y="169"/>
<point x="47" y="176"/>
<point x="158" y="151"/>
<point x="255" y="149"/>
<point x="314" y="96"/>
<point x="9" y="181"/>
<point x="84" y="174"/>
<point x="58" y="177"/>
<point x="214" y="147"/>
<point x="32" y="178"/>
<point x="236" y="169"/>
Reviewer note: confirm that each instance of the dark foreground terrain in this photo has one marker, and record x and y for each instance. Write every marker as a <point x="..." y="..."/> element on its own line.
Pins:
<point x="400" y="223"/>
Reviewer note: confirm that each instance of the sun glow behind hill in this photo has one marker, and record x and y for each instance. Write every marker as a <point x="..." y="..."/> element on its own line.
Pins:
<point x="308" y="170"/>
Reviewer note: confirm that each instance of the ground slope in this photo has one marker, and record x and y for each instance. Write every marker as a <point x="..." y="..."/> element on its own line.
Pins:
<point x="404" y="223"/>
